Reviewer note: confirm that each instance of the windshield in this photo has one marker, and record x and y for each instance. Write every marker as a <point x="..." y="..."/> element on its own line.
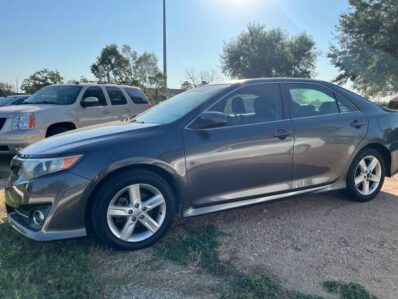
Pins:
<point x="55" y="94"/>
<point x="179" y="105"/>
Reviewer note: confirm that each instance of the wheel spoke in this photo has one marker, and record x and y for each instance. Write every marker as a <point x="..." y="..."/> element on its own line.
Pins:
<point x="373" y="164"/>
<point x="153" y="202"/>
<point x="365" y="187"/>
<point x="359" y="179"/>
<point x="375" y="178"/>
<point x="135" y="194"/>
<point x="149" y="223"/>
<point x="118" y="211"/>
<point x="127" y="230"/>
<point x="363" y="166"/>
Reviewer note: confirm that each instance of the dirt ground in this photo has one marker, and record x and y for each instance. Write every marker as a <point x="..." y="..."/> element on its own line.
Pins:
<point x="302" y="241"/>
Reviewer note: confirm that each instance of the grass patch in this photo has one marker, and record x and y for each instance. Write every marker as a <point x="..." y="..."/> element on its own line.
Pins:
<point x="197" y="247"/>
<point x="347" y="290"/>
<point x="45" y="270"/>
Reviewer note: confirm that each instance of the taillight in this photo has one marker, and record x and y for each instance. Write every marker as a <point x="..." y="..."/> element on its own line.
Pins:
<point x="150" y="105"/>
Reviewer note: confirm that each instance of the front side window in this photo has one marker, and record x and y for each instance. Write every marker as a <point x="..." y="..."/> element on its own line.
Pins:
<point x="55" y="94"/>
<point x="116" y="96"/>
<point x="180" y="105"/>
<point x="344" y="105"/>
<point x="311" y="100"/>
<point x="252" y="104"/>
<point x="136" y="95"/>
<point x="95" y="92"/>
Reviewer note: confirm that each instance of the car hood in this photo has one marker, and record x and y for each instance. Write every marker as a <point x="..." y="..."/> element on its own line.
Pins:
<point x="76" y="140"/>
<point x="13" y="110"/>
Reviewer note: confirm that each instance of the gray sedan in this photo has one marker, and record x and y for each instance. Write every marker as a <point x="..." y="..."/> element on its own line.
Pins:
<point x="209" y="149"/>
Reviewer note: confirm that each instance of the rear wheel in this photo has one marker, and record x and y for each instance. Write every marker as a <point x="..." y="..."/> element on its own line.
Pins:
<point x="366" y="175"/>
<point x="133" y="210"/>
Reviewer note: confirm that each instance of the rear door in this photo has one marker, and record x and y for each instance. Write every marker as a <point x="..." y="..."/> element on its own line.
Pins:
<point x="328" y="129"/>
<point x="119" y="109"/>
<point x="96" y="112"/>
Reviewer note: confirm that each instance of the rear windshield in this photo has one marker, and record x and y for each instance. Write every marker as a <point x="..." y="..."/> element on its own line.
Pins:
<point x="55" y="94"/>
<point x="136" y="95"/>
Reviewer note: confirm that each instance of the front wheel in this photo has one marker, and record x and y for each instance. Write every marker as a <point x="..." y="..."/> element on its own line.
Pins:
<point x="133" y="210"/>
<point x="366" y="175"/>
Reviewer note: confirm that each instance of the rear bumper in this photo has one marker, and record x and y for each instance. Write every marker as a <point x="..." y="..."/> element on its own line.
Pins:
<point x="13" y="141"/>
<point x="60" y="197"/>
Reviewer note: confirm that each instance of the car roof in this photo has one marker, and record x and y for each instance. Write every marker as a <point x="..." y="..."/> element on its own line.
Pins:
<point x="276" y="79"/>
<point x="96" y="84"/>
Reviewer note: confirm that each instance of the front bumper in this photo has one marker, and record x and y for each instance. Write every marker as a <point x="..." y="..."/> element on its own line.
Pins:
<point x="13" y="141"/>
<point x="60" y="193"/>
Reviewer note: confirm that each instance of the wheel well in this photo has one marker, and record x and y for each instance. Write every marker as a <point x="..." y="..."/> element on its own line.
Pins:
<point x="385" y="154"/>
<point x="68" y="125"/>
<point x="155" y="169"/>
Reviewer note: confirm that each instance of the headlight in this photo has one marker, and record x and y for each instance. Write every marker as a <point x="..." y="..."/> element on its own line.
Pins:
<point x="33" y="168"/>
<point x="24" y="121"/>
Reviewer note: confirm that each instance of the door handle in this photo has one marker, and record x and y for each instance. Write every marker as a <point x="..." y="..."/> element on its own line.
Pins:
<point x="282" y="133"/>
<point x="357" y="124"/>
<point x="105" y="112"/>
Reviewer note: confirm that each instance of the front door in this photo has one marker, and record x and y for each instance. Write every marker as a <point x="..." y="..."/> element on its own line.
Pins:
<point x="250" y="156"/>
<point x="94" y="113"/>
<point x="328" y="130"/>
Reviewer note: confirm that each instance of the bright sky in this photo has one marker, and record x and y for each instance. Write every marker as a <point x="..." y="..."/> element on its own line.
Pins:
<point x="68" y="35"/>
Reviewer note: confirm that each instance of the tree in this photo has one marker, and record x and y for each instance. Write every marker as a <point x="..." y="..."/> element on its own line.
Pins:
<point x="111" y="65"/>
<point x="257" y="52"/>
<point x="196" y="79"/>
<point x="146" y="67"/>
<point x="368" y="46"/>
<point x="186" y="85"/>
<point x="40" y="79"/>
<point x="6" y="89"/>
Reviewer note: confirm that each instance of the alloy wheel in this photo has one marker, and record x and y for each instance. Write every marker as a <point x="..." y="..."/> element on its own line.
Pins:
<point x="368" y="175"/>
<point x="136" y="212"/>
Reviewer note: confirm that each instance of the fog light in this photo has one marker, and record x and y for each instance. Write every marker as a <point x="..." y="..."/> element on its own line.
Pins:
<point x="38" y="217"/>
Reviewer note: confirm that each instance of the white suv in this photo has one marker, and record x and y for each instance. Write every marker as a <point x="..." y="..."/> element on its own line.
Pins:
<point x="58" y="108"/>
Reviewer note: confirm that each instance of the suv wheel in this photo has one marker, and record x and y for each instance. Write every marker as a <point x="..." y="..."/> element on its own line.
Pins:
<point x="133" y="210"/>
<point x="366" y="175"/>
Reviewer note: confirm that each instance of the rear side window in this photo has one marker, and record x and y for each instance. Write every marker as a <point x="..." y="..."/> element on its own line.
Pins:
<point x="136" y="96"/>
<point x="95" y="92"/>
<point x="116" y="96"/>
<point x="311" y="100"/>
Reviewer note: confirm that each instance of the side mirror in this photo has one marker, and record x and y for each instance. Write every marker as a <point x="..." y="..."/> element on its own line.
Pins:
<point x="90" y="102"/>
<point x="210" y="119"/>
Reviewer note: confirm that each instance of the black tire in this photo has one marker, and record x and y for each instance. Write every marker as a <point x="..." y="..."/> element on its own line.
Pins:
<point x="56" y="130"/>
<point x="104" y="196"/>
<point x="352" y="190"/>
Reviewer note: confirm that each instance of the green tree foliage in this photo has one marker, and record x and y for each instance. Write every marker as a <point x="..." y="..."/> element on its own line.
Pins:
<point x="186" y="85"/>
<point x="40" y="79"/>
<point x="6" y="89"/>
<point x="368" y="46"/>
<point x="110" y="66"/>
<point x="257" y="52"/>
<point x="128" y="67"/>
